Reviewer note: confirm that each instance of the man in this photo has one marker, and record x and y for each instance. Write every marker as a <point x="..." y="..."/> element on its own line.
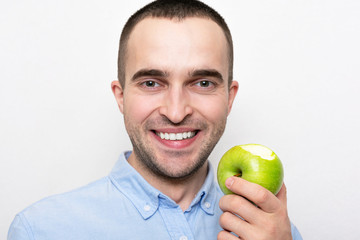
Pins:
<point x="175" y="91"/>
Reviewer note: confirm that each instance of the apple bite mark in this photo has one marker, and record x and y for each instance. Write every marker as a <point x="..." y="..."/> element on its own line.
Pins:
<point x="260" y="151"/>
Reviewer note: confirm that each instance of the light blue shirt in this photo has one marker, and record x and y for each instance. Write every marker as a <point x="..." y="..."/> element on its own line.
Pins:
<point x="122" y="206"/>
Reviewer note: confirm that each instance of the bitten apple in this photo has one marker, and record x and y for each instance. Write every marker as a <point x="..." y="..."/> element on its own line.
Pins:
<point x="254" y="163"/>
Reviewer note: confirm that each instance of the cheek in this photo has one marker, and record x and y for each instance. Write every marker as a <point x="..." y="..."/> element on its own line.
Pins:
<point x="213" y="109"/>
<point x="138" y="108"/>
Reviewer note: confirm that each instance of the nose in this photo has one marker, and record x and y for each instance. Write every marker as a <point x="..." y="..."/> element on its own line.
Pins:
<point x="176" y="105"/>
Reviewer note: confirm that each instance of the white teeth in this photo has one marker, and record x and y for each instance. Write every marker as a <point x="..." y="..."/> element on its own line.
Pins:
<point x="172" y="136"/>
<point x="179" y="136"/>
<point x="175" y="136"/>
<point x="184" y="135"/>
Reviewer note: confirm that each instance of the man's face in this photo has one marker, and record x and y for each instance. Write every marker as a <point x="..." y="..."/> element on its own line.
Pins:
<point x="176" y="96"/>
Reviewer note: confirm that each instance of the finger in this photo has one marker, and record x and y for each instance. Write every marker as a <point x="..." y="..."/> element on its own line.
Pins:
<point x="234" y="224"/>
<point x="282" y="195"/>
<point x="259" y="195"/>
<point x="225" y="235"/>
<point x="240" y="206"/>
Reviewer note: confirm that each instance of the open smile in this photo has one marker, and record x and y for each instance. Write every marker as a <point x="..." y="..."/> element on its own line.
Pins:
<point x="176" y="136"/>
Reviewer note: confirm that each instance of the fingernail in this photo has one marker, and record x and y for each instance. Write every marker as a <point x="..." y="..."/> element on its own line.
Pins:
<point x="229" y="182"/>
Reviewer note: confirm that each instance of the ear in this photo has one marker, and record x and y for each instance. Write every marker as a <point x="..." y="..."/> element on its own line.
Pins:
<point x="232" y="93"/>
<point x="119" y="94"/>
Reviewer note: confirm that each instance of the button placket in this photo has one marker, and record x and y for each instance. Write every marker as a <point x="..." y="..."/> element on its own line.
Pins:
<point x="175" y="220"/>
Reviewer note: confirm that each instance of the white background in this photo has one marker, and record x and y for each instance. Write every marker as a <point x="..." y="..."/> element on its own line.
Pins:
<point x="297" y="63"/>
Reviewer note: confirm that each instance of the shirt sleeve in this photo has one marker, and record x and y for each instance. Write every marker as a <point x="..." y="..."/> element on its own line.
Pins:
<point x="295" y="233"/>
<point x="19" y="230"/>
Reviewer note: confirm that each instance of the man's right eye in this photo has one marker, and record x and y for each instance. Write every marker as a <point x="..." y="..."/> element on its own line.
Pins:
<point x="150" y="84"/>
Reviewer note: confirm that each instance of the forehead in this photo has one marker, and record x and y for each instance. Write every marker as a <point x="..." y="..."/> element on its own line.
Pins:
<point x="190" y="42"/>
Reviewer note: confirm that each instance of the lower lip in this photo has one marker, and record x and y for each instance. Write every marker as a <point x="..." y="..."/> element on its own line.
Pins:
<point x="177" y="144"/>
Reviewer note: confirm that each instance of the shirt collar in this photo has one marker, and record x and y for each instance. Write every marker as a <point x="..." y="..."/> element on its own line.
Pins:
<point x="146" y="198"/>
<point x="134" y="187"/>
<point x="207" y="196"/>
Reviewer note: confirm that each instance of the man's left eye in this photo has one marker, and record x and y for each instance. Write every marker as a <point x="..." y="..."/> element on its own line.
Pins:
<point x="204" y="84"/>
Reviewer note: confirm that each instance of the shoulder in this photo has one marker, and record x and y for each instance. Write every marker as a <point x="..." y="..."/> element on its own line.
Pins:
<point x="81" y="212"/>
<point x="60" y="212"/>
<point x="94" y="190"/>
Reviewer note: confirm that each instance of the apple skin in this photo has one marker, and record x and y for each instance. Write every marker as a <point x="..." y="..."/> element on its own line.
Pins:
<point x="253" y="168"/>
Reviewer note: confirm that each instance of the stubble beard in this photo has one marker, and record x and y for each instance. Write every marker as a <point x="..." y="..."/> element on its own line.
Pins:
<point x="146" y="155"/>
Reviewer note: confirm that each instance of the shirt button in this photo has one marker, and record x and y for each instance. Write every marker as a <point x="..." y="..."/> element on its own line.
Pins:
<point x="147" y="208"/>
<point x="183" y="238"/>
<point x="207" y="204"/>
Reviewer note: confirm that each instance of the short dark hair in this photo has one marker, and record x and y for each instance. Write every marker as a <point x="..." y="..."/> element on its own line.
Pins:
<point x="172" y="9"/>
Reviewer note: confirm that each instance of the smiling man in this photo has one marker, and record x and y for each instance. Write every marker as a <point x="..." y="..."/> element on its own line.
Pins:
<point x="175" y="99"/>
<point x="175" y="90"/>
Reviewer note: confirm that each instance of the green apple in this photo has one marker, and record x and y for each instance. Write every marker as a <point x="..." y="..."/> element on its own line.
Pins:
<point x="254" y="163"/>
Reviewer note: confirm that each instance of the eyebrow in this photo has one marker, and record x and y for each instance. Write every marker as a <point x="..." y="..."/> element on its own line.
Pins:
<point x="207" y="73"/>
<point x="149" y="73"/>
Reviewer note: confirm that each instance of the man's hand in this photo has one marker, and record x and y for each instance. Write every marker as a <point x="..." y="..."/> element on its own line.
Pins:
<point x="254" y="213"/>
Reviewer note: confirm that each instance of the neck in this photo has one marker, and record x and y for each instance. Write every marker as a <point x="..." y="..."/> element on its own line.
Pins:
<point x="181" y="191"/>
